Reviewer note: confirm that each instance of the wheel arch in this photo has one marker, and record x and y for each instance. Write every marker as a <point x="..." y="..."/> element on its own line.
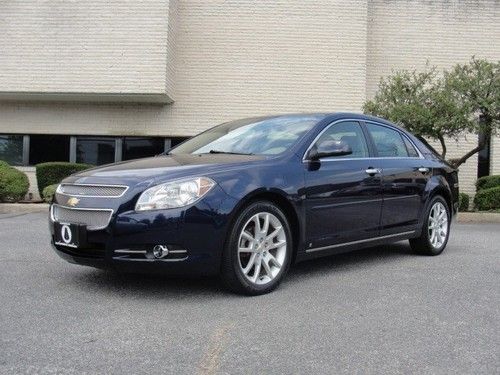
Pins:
<point x="441" y="188"/>
<point x="279" y="198"/>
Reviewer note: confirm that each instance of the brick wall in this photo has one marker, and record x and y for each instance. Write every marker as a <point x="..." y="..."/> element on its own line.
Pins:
<point x="85" y="50"/>
<point x="221" y="60"/>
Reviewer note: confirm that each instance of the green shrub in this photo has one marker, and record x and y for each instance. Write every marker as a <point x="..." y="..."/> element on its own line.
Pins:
<point x="14" y="184"/>
<point x="488" y="199"/>
<point x="4" y="164"/>
<point x="53" y="172"/>
<point x="48" y="192"/>
<point x="463" y="202"/>
<point x="487" y="182"/>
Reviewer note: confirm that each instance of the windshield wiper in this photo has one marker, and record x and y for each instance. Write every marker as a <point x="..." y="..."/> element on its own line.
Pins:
<point x="228" y="152"/>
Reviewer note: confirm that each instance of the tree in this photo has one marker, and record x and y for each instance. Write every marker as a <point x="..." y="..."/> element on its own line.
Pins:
<point x="462" y="100"/>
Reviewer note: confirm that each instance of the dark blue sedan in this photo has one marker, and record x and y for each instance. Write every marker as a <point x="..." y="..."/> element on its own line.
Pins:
<point x="248" y="198"/>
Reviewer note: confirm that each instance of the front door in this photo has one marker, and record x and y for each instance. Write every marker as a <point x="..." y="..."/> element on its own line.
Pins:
<point x="343" y="193"/>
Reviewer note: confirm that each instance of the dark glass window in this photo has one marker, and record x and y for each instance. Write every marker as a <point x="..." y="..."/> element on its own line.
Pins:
<point x="95" y="150"/>
<point x="44" y="148"/>
<point x="484" y="156"/>
<point x="388" y="142"/>
<point x="177" y="140"/>
<point x="412" y="152"/>
<point x="350" y="133"/>
<point x="135" y="148"/>
<point x="11" y="149"/>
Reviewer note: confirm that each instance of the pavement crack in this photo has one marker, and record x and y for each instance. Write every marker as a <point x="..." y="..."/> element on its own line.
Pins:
<point x="210" y="360"/>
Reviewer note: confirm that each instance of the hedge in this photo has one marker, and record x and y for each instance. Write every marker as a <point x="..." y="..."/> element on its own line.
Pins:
<point x="488" y="182"/>
<point x="463" y="202"/>
<point x="488" y="199"/>
<point x="53" y="172"/>
<point x="48" y="192"/>
<point x="14" y="184"/>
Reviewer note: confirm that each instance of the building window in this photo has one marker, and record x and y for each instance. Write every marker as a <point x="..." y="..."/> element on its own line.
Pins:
<point x="484" y="156"/>
<point x="45" y="148"/>
<point x="177" y="140"/>
<point x="11" y="149"/>
<point x="136" y="148"/>
<point x="95" y="150"/>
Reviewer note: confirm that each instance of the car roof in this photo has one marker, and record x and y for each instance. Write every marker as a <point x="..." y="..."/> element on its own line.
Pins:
<point x="329" y="117"/>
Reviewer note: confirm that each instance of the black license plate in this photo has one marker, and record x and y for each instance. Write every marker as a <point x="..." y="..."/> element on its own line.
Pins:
<point x="70" y="235"/>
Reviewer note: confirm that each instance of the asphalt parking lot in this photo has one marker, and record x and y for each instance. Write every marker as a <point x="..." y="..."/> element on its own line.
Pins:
<point x="380" y="310"/>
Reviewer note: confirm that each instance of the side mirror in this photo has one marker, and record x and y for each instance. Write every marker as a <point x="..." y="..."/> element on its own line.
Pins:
<point x="329" y="148"/>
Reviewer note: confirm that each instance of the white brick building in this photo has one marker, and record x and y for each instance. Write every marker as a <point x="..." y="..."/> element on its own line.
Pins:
<point x="110" y="80"/>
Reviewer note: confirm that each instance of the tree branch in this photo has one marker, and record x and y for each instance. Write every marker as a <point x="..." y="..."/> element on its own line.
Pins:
<point x="458" y="162"/>
<point x="443" y="145"/>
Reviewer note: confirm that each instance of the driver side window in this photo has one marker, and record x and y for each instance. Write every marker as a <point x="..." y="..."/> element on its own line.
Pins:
<point x="350" y="133"/>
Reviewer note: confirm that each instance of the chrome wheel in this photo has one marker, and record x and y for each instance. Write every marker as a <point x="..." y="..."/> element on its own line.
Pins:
<point x="262" y="248"/>
<point x="438" y="225"/>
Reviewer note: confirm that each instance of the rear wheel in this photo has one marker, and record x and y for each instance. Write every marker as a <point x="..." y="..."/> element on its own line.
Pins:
<point x="436" y="229"/>
<point x="258" y="252"/>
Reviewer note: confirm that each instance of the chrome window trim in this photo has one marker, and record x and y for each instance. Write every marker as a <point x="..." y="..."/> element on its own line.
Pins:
<point x="304" y="159"/>
<point x="58" y="191"/>
<point x="82" y="209"/>
<point x="359" y="241"/>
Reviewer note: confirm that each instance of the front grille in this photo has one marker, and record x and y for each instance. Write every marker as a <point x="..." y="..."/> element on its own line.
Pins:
<point x="94" y="219"/>
<point x="83" y="190"/>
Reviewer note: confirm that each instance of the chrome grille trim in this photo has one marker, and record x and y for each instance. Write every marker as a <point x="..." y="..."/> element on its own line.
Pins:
<point x="93" y="218"/>
<point x="92" y="190"/>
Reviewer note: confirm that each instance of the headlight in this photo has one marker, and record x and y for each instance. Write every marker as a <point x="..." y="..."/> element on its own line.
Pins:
<point x="174" y="194"/>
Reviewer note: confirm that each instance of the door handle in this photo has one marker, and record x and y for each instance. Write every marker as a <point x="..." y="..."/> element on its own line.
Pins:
<point x="423" y="170"/>
<point x="372" y="171"/>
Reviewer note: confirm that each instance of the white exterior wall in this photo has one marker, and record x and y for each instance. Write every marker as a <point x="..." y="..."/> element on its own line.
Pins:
<point x="85" y="50"/>
<point x="222" y="60"/>
<point x="230" y="59"/>
<point x="495" y="155"/>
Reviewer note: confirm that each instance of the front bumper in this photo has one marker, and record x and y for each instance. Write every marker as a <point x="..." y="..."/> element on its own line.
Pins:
<point x="194" y="235"/>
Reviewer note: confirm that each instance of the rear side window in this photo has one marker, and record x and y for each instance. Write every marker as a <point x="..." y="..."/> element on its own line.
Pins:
<point x="388" y="142"/>
<point x="412" y="152"/>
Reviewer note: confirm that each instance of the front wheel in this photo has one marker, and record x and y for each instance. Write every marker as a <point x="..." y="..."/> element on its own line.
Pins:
<point x="258" y="251"/>
<point x="435" y="230"/>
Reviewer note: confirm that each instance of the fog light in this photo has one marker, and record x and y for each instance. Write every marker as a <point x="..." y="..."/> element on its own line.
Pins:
<point x="160" y="251"/>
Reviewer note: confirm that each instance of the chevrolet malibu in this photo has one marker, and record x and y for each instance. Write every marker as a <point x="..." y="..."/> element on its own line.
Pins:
<point x="248" y="198"/>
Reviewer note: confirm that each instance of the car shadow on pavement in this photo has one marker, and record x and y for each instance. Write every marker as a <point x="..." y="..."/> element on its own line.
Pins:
<point x="159" y="286"/>
<point x="346" y="261"/>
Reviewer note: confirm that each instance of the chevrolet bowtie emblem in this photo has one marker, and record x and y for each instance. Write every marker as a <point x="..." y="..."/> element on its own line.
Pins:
<point x="73" y="201"/>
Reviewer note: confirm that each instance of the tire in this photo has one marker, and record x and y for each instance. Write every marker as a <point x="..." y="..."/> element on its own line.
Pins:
<point x="435" y="229"/>
<point x="255" y="263"/>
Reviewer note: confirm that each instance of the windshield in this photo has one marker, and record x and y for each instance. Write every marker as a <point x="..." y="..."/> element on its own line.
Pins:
<point x="269" y="136"/>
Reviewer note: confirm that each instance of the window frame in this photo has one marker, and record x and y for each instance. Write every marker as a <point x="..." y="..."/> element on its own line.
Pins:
<point x="369" y="140"/>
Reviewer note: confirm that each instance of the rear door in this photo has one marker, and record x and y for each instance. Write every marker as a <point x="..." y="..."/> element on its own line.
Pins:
<point x="343" y="193"/>
<point x="405" y="175"/>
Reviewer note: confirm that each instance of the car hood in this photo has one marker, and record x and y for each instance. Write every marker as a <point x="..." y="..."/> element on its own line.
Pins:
<point x="162" y="168"/>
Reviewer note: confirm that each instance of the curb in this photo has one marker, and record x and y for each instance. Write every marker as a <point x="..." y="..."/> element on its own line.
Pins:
<point x="23" y="208"/>
<point x="478" y="217"/>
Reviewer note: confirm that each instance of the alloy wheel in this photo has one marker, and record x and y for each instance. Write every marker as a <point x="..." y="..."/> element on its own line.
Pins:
<point x="262" y="248"/>
<point x="438" y="225"/>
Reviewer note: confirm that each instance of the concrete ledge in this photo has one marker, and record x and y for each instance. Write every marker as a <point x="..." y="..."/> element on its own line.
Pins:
<point x="23" y="208"/>
<point x="478" y="217"/>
